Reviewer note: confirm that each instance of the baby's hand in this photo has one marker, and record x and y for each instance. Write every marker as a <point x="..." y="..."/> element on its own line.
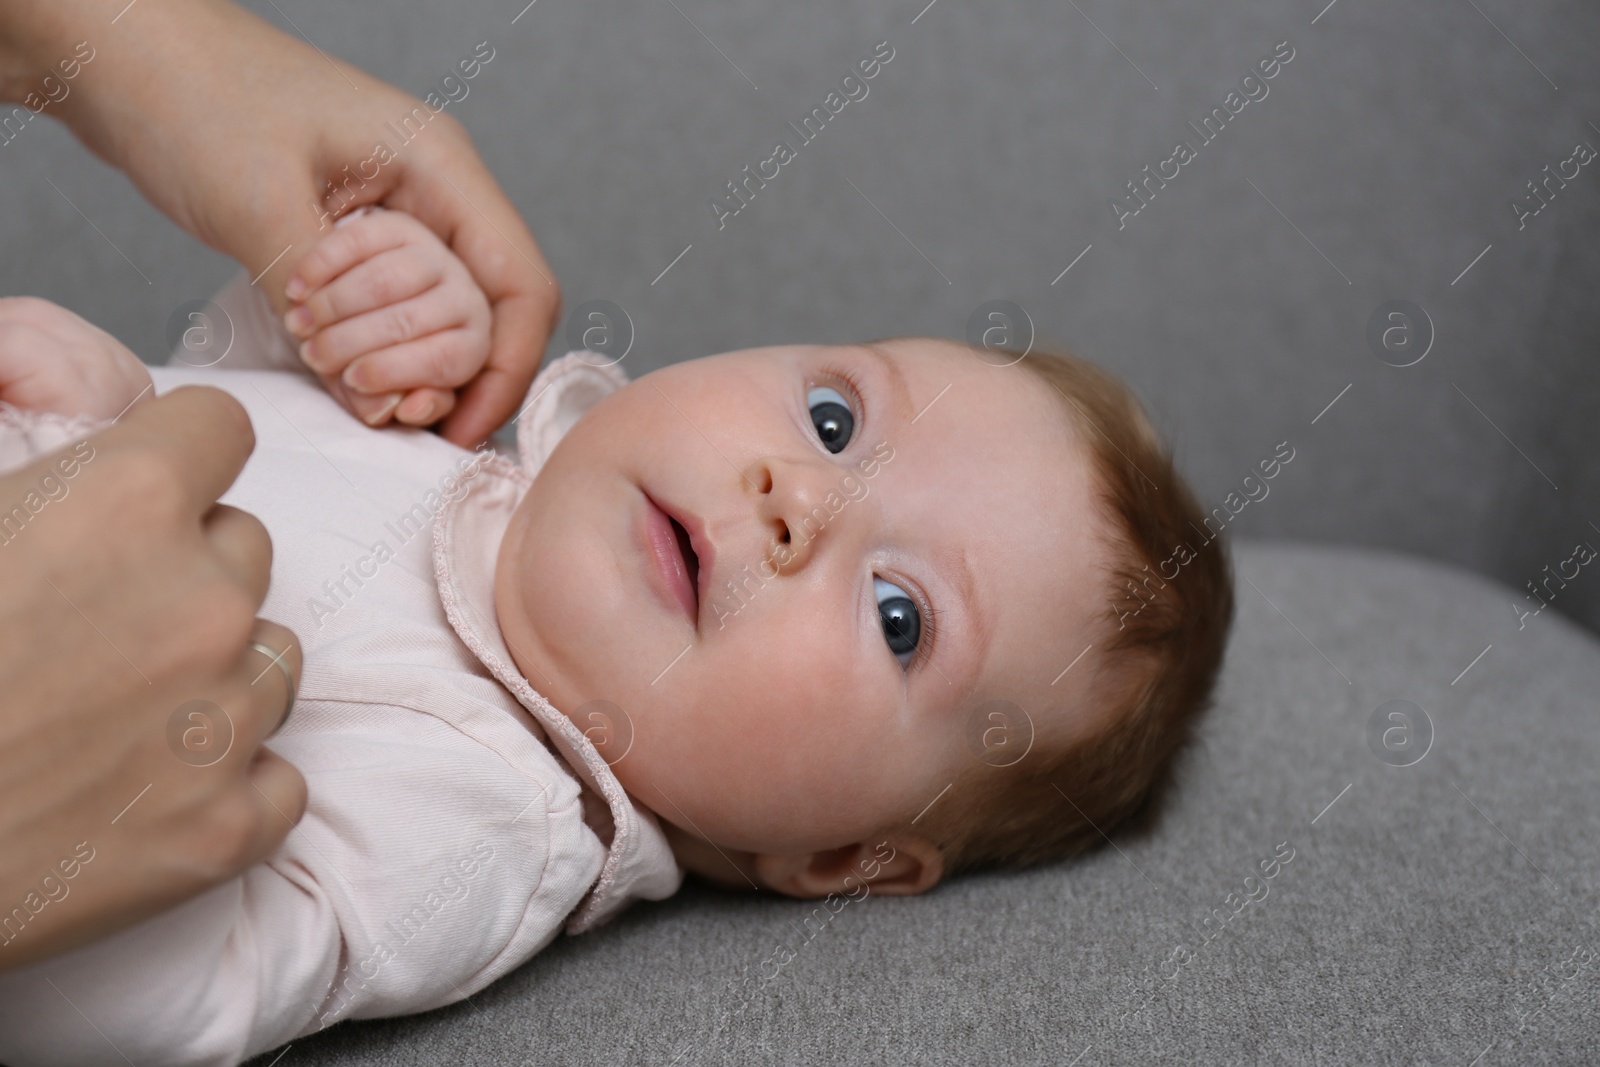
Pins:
<point x="52" y="360"/>
<point x="387" y="311"/>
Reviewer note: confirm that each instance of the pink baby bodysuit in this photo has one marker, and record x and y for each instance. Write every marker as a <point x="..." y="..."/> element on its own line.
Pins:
<point x="444" y="840"/>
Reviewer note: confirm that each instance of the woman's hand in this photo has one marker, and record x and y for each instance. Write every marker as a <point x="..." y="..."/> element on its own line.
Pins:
<point x="133" y="705"/>
<point x="241" y="134"/>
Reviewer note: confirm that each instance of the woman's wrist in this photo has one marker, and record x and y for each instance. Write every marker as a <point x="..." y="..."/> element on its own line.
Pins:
<point x="30" y="32"/>
<point x="141" y="59"/>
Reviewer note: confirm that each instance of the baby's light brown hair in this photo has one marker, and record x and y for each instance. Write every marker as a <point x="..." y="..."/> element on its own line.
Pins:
<point x="1162" y="643"/>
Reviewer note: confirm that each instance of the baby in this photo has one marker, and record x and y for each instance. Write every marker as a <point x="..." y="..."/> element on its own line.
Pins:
<point x="823" y="620"/>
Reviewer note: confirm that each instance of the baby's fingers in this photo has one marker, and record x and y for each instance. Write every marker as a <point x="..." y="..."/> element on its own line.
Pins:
<point x="353" y="242"/>
<point x="443" y="360"/>
<point x="372" y="410"/>
<point x="387" y="278"/>
<point x="419" y="407"/>
<point x="331" y="349"/>
<point x="425" y="406"/>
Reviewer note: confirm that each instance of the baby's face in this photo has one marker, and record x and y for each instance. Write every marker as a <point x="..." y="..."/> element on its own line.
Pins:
<point x="874" y="561"/>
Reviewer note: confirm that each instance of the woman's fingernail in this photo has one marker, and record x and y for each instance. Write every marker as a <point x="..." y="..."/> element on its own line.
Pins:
<point x="297" y="320"/>
<point x="354" y="376"/>
<point x="417" y="409"/>
<point x="295" y="289"/>
<point x="308" y="355"/>
<point x="383" y="412"/>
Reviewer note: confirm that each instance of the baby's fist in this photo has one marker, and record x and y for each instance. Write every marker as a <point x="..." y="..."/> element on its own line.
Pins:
<point x="389" y="317"/>
<point x="52" y="360"/>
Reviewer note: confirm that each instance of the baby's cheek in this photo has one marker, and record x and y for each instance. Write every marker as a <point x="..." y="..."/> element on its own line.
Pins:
<point x="789" y="712"/>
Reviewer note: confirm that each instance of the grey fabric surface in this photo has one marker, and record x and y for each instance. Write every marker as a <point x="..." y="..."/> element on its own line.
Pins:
<point x="1432" y="912"/>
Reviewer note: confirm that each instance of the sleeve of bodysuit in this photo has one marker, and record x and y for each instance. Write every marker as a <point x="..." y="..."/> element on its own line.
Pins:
<point x="240" y="331"/>
<point x="426" y="866"/>
<point x="250" y="333"/>
<point x="26" y="434"/>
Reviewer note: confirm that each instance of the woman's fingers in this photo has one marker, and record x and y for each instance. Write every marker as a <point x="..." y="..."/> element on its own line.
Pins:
<point x="197" y="435"/>
<point x="242" y="544"/>
<point x="281" y="790"/>
<point x="265" y="683"/>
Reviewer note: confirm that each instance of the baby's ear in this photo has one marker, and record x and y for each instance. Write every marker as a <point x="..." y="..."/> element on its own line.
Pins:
<point x="900" y="865"/>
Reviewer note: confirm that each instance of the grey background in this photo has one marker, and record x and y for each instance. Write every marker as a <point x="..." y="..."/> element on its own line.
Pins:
<point x="1428" y="910"/>
<point x="994" y="140"/>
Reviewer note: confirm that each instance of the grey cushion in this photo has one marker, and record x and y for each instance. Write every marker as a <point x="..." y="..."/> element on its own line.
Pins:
<point x="1436" y="909"/>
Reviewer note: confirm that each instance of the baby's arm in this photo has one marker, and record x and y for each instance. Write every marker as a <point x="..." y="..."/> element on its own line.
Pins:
<point x="386" y="310"/>
<point x="52" y="360"/>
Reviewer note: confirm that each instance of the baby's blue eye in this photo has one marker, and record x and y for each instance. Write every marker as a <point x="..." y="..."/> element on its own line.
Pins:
<point x="902" y="625"/>
<point x="830" y="414"/>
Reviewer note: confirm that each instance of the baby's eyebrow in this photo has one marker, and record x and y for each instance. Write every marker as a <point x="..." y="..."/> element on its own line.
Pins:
<point x="897" y="380"/>
<point x="955" y="560"/>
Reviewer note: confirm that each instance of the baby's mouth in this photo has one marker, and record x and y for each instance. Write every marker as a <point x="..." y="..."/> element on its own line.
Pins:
<point x="690" y="560"/>
<point x="669" y="547"/>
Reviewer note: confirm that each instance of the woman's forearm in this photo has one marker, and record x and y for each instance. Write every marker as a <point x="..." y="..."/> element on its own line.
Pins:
<point x="238" y="131"/>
